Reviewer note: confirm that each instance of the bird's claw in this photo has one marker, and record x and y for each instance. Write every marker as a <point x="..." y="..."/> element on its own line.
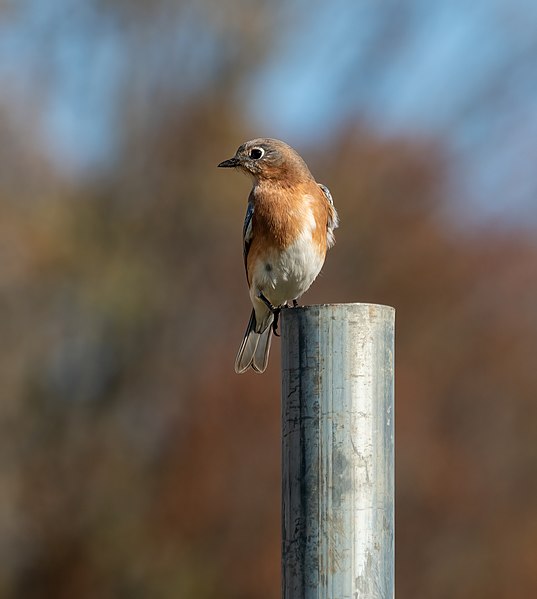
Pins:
<point x="275" y="322"/>
<point x="275" y="311"/>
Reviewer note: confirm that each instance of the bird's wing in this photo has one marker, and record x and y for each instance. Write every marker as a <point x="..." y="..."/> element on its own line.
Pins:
<point x="247" y="232"/>
<point x="333" y="220"/>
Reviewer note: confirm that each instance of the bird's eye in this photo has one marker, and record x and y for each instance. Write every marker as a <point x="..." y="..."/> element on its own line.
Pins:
<point x="257" y="153"/>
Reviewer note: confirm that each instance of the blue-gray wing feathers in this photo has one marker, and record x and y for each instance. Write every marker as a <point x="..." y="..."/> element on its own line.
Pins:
<point x="333" y="220"/>
<point x="247" y="232"/>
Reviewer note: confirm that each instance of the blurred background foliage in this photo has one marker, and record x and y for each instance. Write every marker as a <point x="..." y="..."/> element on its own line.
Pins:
<point x="134" y="462"/>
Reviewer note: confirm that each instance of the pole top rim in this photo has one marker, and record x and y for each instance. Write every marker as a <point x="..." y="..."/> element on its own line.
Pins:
<point x="347" y="305"/>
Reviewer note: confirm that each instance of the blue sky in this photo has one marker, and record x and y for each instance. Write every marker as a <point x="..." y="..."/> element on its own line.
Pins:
<point x="457" y="71"/>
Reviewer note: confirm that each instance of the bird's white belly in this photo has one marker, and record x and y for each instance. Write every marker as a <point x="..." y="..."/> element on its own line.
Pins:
<point x="286" y="274"/>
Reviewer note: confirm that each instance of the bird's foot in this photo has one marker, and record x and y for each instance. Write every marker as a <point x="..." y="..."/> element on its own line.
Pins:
<point x="267" y="303"/>
<point x="275" y="311"/>
<point x="275" y="322"/>
<point x="295" y="303"/>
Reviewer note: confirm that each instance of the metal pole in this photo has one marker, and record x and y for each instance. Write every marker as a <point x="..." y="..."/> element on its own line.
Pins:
<point x="338" y="452"/>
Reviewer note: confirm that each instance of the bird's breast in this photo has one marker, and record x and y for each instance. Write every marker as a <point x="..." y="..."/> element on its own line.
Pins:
<point x="283" y="274"/>
<point x="289" y="228"/>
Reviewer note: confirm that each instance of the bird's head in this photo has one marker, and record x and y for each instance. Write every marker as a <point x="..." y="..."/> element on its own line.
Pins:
<point x="266" y="158"/>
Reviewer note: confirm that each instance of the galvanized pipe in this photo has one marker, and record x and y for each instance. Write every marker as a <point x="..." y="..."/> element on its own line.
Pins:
<point x="338" y="452"/>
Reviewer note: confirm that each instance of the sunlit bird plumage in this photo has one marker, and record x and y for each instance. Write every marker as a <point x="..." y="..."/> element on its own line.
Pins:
<point x="289" y="226"/>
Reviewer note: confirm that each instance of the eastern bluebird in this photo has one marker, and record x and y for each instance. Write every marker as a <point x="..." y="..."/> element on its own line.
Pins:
<point x="289" y="225"/>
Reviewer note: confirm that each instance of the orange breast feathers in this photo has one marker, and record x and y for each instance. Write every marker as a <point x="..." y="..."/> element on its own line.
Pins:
<point x="281" y="213"/>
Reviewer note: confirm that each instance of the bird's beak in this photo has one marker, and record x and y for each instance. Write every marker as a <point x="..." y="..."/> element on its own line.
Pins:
<point x="231" y="163"/>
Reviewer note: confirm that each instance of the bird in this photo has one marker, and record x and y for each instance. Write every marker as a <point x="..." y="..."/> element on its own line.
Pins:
<point x="288" y="228"/>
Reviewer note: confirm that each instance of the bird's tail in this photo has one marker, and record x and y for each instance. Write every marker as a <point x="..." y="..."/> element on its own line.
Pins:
<point x="254" y="349"/>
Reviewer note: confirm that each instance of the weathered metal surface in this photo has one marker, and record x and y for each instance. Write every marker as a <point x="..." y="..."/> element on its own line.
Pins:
<point x="338" y="452"/>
